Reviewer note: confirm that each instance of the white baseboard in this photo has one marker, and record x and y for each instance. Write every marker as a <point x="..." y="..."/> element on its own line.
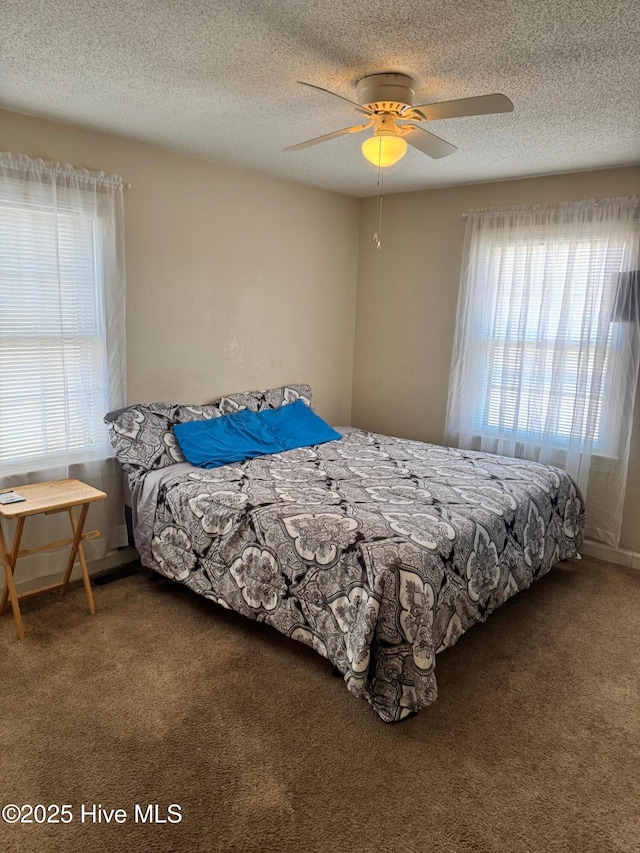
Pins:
<point x="630" y="559"/>
<point x="112" y="560"/>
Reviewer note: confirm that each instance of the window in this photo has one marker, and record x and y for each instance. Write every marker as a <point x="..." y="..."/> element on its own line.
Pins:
<point x="545" y="364"/>
<point x="59" y="276"/>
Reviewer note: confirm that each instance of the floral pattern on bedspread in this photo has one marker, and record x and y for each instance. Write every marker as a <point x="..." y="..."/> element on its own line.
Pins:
<point x="377" y="552"/>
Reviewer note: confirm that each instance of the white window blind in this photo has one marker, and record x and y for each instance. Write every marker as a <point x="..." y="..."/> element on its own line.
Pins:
<point x="546" y="356"/>
<point x="52" y="337"/>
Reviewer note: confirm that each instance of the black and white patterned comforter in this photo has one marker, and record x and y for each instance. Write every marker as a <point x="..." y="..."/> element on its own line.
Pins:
<point x="378" y="552"/>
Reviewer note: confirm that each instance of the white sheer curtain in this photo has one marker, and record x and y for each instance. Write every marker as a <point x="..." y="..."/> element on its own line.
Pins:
<point x="62" y="342"/>
<point x="547" y="344"/>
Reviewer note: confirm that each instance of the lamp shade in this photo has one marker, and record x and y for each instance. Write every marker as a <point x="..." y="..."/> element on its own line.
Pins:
<point x="384" y="149"/>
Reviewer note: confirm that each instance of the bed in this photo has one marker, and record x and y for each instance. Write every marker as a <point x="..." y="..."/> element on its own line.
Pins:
<point x="378" y="552"/>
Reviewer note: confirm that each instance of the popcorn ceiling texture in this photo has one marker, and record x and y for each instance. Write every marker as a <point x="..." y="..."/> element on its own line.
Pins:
<point x="218" y="80"/>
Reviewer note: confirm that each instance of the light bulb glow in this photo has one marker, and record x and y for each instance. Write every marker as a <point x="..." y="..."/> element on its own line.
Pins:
<point x="384" y="149"/>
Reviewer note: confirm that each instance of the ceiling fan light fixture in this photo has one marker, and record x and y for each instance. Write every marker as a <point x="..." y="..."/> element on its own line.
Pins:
<point x="384" y="148"/>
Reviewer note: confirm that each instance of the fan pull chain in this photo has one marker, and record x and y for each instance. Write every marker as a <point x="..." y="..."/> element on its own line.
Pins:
<point x="377" y="237"/>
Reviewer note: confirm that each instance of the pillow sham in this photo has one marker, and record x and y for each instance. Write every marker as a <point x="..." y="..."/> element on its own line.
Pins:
<point x="142" y="435"/>
<point x="256" y="401"/>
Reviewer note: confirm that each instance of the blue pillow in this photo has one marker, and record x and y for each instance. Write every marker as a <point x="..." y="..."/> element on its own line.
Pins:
<point x="246" y="434"/>
<point x="295" y="425"/>
<point x="229" y="438"/>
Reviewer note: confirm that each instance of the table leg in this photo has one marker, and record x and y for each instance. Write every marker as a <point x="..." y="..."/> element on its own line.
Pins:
<point x="76" y="550"/>
<point x="9" y="562"/>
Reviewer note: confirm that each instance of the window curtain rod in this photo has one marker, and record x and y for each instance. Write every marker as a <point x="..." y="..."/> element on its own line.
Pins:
<point x="56" y="169"/>
<point x="564" y="205"/>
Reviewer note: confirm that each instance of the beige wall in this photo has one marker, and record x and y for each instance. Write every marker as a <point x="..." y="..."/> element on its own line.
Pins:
<point x="235" y="280"/>
<point x="407" y="296"/>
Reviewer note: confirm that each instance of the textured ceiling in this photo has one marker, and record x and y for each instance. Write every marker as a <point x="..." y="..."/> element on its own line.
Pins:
<point x="217" y="78"/>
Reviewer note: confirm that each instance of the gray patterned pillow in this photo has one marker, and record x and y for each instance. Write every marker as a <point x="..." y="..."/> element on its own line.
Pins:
<point x="257" y="401"/>
<point x="142" y="435"/>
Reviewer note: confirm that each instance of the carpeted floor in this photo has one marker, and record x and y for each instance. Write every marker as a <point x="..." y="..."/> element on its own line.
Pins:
<point x="162" y="697"/>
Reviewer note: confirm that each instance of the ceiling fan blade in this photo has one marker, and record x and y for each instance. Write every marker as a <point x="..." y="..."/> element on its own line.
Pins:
<point x="327" y="136"/>
<point x="478" y="106"/>
<point x="359" y="107"/>
<point x="427" y="142"/>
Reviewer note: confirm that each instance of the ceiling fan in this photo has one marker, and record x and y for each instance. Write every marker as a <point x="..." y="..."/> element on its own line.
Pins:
<point x="386" y="101"/>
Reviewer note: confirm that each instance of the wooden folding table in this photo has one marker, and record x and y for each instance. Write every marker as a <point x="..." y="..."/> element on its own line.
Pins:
<point x="47" y="498"/>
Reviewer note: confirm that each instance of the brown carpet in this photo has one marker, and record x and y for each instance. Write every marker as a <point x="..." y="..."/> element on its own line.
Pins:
<point x="162" y="697"/>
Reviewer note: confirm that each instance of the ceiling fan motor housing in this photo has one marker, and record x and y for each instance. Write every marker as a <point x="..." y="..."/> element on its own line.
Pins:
<point x="386" y="92"/>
